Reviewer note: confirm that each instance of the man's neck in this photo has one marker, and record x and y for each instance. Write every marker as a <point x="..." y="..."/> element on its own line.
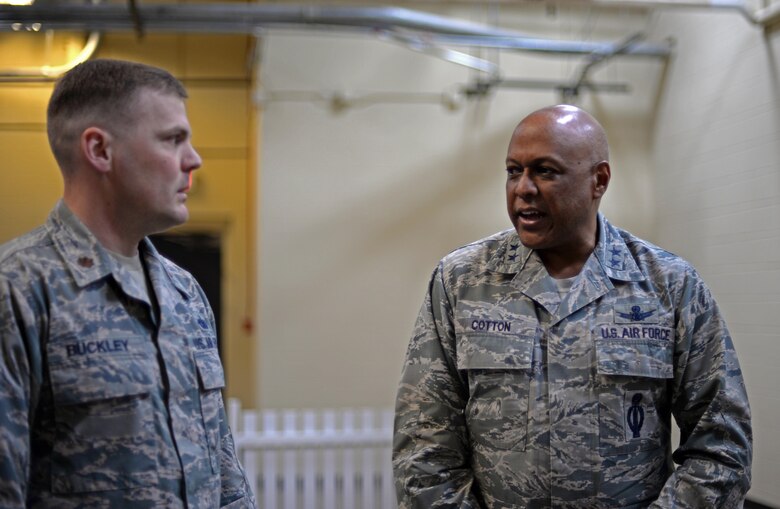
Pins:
<point x="110" y="235"/>
<point x="568" y="261"/>
<point x="560" y="268"/>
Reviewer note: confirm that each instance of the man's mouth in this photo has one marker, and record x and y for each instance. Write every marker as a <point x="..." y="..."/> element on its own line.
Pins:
<point x="188" y="185"/>
<point x="530" y="214"/>
<point x="530" y="219"/>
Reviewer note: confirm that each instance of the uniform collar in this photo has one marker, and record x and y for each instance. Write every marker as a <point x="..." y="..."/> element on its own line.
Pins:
<point x="613" y="254"/>
<point x="88" y="261"/>
<point x="510" y="256"/>
<point x="610" y="254"/>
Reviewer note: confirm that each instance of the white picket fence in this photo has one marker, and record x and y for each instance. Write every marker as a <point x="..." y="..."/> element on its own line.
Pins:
<point x="307" y="459"/>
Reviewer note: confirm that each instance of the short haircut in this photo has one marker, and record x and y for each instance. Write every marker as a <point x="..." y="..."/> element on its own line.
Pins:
<point x="99" y="93"/>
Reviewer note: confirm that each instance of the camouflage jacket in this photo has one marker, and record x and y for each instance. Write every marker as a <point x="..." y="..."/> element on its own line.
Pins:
<point x="515" y="397"/>
<point x="103" y="402"/>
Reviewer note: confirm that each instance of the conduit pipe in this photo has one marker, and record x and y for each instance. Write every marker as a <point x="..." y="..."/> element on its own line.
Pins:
<point x="253" y="18"/>
<point x="763" y="17"/>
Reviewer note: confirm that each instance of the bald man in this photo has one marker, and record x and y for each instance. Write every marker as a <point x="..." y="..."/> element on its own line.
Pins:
<point x="548" y="360"/>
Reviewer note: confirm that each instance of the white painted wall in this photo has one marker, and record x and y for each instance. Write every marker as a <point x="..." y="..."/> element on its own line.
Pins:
<point x="357" y="207"/>
<point x="716" y="171"/>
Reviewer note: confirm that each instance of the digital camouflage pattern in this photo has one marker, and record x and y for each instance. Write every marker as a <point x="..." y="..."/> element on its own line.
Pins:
<point x="515" y="397"/>
<point x="105" y="403"/>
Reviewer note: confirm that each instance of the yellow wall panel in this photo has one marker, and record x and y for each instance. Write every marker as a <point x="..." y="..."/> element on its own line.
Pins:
<point x="22" y="49"/>
<point x="216" y="56"/>
<point x="30" y="183"/>
<point x="24" y="104"/>
<point x="219" y="116"/>
<point x="161" y="50"/>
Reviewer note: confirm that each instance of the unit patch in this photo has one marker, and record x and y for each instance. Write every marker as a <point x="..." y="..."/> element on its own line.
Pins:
<point x="636" y="312"/>
<point x="635" y="415"/>
<point x="640" y="415"/>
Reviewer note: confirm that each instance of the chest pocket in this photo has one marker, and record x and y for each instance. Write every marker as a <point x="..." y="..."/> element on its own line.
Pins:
<point x="212" y="380"/>
<point x="104" y="421"/>
<point x="633" y="406"/>
<point x="498" y="367"/>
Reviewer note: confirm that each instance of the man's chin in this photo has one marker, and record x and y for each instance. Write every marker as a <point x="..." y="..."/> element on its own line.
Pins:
<point x="171" y="220"/>
<point x="181" y="214"/>
<point x="531" y="241"/>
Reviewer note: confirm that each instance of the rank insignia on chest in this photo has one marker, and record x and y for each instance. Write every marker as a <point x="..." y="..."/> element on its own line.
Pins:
<point x="86" y="262"/>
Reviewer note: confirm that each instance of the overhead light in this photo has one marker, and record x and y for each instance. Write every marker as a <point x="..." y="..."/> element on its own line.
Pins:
<point x="20" y="27"/>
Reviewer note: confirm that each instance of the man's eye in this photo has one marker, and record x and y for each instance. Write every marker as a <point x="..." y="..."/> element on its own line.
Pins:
<point x="544" y="171"/>
<point x="176" y="138"/>
<point x="513" y="171"/>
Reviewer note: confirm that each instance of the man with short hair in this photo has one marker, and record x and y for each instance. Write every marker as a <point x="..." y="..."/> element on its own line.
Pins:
<point x="548" y="360"/>
<point x="111" y="379"/>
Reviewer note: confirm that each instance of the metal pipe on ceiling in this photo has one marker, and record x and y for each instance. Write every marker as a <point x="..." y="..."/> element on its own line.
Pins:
<point x="236" y="18"/>
<point x="253" y="18"/>
<point x="758" y="17"/>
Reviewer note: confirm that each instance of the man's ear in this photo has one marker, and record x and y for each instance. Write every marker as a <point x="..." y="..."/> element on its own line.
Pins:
<point x="601" y="175"/>
<point x="95" y="146"/>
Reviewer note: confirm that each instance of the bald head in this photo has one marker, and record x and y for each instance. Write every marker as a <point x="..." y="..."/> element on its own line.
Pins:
<point x="557" y="171"/>
<point x="571" y="127"/>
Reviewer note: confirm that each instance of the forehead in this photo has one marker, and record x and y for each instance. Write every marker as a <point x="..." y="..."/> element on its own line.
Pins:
<point x="156" y="106"/>
<point x="544" y="136"/>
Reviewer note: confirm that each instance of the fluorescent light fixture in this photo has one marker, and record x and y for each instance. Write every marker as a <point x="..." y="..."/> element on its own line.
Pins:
<point x="16" y="2"/>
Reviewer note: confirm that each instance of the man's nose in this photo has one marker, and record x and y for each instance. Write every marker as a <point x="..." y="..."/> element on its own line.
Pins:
<point x="525" y="185"/>
<point x="192" y="160"/>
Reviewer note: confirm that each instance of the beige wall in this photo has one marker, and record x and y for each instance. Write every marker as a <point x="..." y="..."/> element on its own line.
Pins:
<point x="358" y="206"/>
<point x="717" y="176"/>
<point x="219" y="80"/>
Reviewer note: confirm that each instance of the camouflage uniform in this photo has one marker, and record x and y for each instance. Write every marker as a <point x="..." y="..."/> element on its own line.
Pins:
<point x="105" y="403"/>
<point x="513" y="397"/>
